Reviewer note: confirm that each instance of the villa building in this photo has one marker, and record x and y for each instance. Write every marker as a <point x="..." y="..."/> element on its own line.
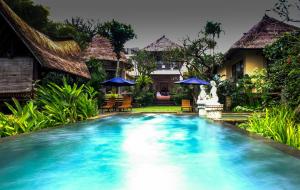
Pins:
<point x="100" y="48"/>
<point x="166" y="73"/>
<point x="246" y="55"/>
<point x="25" y="54"/>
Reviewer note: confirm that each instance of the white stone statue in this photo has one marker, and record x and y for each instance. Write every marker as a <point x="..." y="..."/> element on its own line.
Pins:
<point x="211" y="108"/>
<point x="214" y="99"/>
<point x="202" y="95"/>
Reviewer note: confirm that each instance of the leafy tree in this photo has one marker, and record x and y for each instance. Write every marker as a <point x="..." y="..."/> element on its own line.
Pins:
<point x="118" y="33"/>
<point x="175" y="55"/>
<point x="145" y="62"/>
<point x="284" y="68"/>
<point x="195" y="53"/>
<point x="35" y="15"/>
<point x="285" y="8"/>
<point x="84" y="30"/>
<point x="143" y="82"/>
<point x="98" y="73"/>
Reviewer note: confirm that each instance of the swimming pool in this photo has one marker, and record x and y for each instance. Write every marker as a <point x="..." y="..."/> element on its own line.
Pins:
<point x="152" y="151"/>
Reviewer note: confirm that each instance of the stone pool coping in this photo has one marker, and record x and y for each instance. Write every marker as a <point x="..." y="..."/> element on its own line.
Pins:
<point x="277" y="145"/>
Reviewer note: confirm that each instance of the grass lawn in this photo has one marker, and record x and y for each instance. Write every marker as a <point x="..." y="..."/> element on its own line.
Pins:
<point x="157" y="109"/>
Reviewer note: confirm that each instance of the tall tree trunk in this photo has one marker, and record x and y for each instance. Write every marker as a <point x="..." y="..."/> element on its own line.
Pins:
<point x="213" y="54"/>
<point x="118" y="67"/>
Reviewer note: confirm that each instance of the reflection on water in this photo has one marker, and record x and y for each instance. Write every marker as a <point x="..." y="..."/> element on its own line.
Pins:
<point x="144" y="152"/>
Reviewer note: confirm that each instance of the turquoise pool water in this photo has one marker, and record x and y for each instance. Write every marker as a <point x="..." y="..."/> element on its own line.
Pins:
<point x="146" y="152"/>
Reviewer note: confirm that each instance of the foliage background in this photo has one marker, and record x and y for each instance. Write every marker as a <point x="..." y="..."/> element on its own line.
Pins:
<point x="284" y="68"/>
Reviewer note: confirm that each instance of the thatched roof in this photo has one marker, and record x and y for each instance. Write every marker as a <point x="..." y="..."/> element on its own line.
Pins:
<point x="162" y="44"/>
<point x="57" y="55"/>
<point x="263" y="33"/>
<point x="102" y="49"/>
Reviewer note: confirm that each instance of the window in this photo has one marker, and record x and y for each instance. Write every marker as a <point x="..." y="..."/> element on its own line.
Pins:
<point x="237" y="71"/>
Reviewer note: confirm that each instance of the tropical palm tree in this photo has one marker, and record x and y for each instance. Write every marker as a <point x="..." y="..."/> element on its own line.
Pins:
<point x="213" y="28"/>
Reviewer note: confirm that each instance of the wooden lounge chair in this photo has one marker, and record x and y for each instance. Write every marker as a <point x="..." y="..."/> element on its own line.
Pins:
<point x="186" y="105"/>
<point x="109" y="105"/>
<point x="126" y="104"/>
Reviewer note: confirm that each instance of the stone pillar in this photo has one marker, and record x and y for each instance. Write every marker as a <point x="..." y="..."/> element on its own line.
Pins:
<point x="214" y="111"/>
<point x="201" y="110"/>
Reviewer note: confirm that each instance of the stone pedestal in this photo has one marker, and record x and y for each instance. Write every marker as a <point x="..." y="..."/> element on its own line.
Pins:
<point x="201" y="110"/>
<point x="214" y="111"/>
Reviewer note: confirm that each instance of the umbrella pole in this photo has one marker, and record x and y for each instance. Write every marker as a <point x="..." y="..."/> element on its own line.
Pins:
<point x="117" y="73"/>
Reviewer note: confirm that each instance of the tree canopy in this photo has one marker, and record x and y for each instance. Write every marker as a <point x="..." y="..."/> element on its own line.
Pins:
<point x="289" y="10"/>
<point x="35" y="15"/>
<point x="145" y="62"/>
<point x="118" y="33"/>
<point x="196" y="53"/>
<point x="284" y="68"/>
<point x="213" y="28"/>
<point x="84" y="30"/>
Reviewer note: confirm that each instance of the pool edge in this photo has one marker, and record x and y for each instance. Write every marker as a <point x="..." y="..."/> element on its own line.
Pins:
<point x="277" y="145"/>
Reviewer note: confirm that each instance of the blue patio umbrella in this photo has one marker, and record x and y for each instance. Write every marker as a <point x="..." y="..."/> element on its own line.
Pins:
<point x="118" y="81"/>
<point x="193" y="81"/>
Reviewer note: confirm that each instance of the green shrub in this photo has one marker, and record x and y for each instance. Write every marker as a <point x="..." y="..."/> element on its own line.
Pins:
<point x="23" y="119"/>
<point x="176" y="98"/>
<point x="67" y="104"/>
<point x="278" y="123"/>
<point x="143" y="93"/>
<point x="144" y="99"/>
<point x="87" y="103"/>
<point x="243" y="109"/>
<point x="181" y="92"/>
<point x="54" y="105"/>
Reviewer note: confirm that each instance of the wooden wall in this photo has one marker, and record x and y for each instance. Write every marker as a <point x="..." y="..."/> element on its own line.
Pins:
<point x="166" y="82"/>
<point x="16" y="75"/>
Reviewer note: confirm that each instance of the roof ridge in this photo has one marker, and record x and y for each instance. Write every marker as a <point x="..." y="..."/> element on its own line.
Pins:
<point x="263" y="33"/>
<point x="156" y="43"/>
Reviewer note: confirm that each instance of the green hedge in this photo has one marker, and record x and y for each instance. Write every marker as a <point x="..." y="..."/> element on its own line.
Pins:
<point x="54" y="105"/>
